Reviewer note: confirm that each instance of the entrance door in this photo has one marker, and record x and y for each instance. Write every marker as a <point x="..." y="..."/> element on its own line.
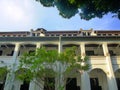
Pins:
<point x="72" y="84"/>
<point x="95" y="84"/>
<point x="25" y="86"/>
<point x="118" y="83"/>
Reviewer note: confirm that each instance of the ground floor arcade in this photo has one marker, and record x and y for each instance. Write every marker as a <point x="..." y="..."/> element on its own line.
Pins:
<point x="96" y="79"/>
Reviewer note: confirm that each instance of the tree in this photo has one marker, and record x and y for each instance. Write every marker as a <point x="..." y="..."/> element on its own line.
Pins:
<point x="87" y="9"/>
<point x="45" y="64"/>
<point x="3" y="74"/>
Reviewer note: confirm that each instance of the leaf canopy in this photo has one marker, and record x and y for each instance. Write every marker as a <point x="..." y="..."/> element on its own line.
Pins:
<point x="45" y="63"/>
<point x="87" y="9"/>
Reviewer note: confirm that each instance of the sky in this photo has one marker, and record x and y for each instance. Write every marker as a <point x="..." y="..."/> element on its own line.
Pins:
<point x="23" y="15"/>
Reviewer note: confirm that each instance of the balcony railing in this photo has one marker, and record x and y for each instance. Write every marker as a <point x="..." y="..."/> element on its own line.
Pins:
<point x="6" y="60"/>
<point x="97" y="59"/>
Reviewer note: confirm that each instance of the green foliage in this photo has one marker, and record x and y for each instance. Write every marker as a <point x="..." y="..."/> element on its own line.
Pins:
<point x="45" y="63"/>
<point x="68" y="55"/>
<point x="87" y="9"/>
<point x="24" y="74"/>
<point x="3" y="73"/>
<point x="66" y="9"/>
<point x="46" y="3"/>
<point x="45" y="73"/>
<point x="49" y="82"/>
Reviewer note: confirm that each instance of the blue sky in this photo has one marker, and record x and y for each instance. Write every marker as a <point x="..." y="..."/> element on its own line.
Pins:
<point x="23" y="15"/>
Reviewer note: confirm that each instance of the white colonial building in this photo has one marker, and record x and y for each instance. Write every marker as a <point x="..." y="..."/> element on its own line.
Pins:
<point x="102" y="47"/>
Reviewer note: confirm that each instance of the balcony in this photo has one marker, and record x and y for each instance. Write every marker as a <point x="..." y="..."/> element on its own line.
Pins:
<point x="97" y="60"/>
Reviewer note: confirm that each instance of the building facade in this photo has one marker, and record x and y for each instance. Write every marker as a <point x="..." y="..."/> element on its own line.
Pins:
<point x="102" y="48"/>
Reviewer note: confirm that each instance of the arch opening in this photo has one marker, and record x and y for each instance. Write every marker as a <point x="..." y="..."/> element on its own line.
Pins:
<point x="98" y="80"/>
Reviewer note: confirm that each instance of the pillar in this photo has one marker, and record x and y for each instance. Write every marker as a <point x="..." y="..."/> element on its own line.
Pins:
<point x="9" y="84"/>
<point x="59" y="79"/>
<point x="82" y="48"/>
<point x="36" y="85"/>
<point x="17" y="84"/>
<point x="38" y="45"/>
<point x="85" y="81"/>
<point x="112" y="85"/>
<point x="60" y="45"/>
<point x="59" y="82"/>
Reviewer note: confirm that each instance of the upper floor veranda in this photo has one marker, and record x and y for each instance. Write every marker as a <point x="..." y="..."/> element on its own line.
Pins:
<point x="97" y="48"/>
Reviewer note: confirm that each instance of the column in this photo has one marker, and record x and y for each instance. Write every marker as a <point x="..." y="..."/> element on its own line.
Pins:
<point x="16" y="51"/>
<point x="9" y="85"/>
<point x="38" y="45"/>
<point x="112" y="85"/>
<point x="59" y="79"/>
<point x="36" y="85"/>
<point x="85" y="81"/>
<point x="59" y="83"/>
<point x="60" y="45"/>
<point x="82" y="48"/>
<point x="17" y="85"/>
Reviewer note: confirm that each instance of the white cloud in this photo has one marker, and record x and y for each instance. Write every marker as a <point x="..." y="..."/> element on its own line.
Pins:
<point x="16" y="14"/>
<point x="11" y="11"/>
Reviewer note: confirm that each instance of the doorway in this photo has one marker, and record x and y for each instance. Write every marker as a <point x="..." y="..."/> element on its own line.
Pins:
<point x="72" y="84"/>
<point x="25" y="86"/>
<point x="98" y="79"/>
<point x="95" y="84"/>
